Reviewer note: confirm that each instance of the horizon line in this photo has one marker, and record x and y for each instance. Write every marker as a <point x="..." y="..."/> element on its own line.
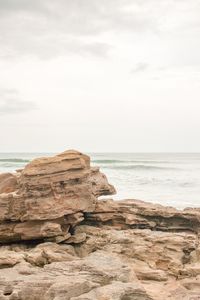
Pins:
<point x="102" y="152"/>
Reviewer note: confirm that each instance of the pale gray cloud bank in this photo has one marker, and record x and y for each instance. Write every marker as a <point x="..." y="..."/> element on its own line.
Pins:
<point x="10" y="103"/>
<point x="140" y="67"/>
<point x="49" y="28"/>
<point x="104" y="75"/>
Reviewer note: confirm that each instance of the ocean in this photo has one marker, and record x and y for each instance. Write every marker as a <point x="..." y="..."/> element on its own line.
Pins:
<point x="166" y="178"/>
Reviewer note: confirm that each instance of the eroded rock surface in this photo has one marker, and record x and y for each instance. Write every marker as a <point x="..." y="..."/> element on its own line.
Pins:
<point x="50" y="197"/>
<point x="58" y="241"/>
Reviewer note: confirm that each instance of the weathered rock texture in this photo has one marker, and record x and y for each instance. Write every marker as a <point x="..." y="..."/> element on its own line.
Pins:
<point x="58" y="242"/>
<point x="49" y="197"/>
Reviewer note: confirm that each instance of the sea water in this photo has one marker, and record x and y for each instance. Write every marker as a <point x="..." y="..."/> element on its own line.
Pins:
<point x="165" y="178"/>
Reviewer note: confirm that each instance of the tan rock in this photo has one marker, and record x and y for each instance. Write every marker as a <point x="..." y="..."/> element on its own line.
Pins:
<point x="49" y="197"/>
<point x="68" y="290"/>
<point x="116" y="291"/>
<point x="47" y="253"/>
<point x="10" y="258"/>
<point x="8" y="183"/>
<point x="102" y="249"/>
<point x="32" y="230"/>
<point x="64" y="280"/>
<point x="77" y="238"/>
<point x="146" y="273"/>
<point x="139" y="214"/>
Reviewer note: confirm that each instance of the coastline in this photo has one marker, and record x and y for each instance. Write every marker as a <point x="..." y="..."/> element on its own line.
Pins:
<point x="59" y="241"/>
<point x="169" y="179"/>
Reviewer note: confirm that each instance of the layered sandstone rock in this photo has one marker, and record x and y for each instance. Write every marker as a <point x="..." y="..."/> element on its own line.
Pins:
<point x="49" y="197"/>
<point x="8" y="183"/>
<point x="58" y="242"/>
<point x="144" y="215"/>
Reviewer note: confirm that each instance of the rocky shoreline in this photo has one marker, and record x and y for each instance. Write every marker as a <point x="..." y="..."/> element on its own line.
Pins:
<point x="58" y="241"/>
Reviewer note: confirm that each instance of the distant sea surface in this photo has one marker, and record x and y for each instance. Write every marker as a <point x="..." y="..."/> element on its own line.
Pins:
<point x="166" y="178"/>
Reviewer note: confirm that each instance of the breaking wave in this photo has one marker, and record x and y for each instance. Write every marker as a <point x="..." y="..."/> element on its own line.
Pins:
<point x="116" y="161"/>
<point x="138" y="167"/>
<point x="14" y="160"/>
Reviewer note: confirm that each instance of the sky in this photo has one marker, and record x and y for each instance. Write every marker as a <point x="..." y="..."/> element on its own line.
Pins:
<point x="100" y="75"/>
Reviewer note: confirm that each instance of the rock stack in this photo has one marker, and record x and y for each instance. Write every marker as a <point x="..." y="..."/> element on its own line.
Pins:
<point x="49" y="197"/>
<point x="59" y="242"/>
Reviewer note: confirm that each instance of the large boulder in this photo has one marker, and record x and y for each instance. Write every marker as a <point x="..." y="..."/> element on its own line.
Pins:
<point x="49" y="197"/>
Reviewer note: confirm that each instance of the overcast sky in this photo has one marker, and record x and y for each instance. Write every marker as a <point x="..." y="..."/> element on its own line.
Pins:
<point x="100" y="75"/>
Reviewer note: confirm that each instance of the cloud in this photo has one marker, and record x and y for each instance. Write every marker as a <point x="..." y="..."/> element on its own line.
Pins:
<point x="10" y="103"/>
<point x="77" y="17"/>
<point x="140" y="67"/>
<point x="49" y="28"/>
